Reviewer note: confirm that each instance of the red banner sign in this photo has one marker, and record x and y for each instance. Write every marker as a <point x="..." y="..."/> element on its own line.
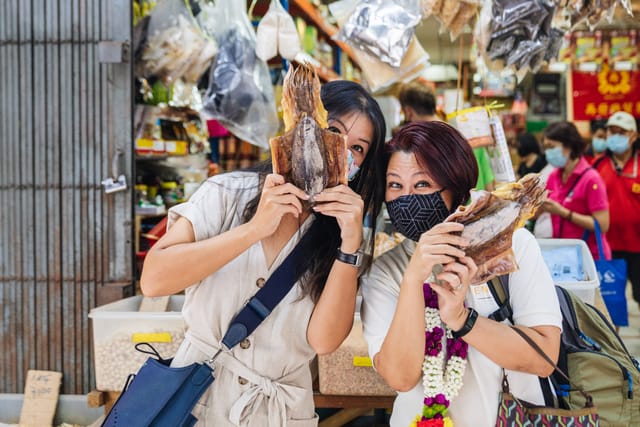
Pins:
<point x="598" y="95"/>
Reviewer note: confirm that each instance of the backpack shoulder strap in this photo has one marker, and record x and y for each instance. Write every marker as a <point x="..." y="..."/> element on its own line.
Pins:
<point x="499" y="288"/>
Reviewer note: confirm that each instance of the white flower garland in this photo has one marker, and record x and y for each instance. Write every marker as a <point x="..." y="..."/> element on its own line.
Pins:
<point x="436" y="376"/>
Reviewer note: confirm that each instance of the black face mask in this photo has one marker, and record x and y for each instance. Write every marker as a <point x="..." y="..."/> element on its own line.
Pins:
<point x="413" y="214"/>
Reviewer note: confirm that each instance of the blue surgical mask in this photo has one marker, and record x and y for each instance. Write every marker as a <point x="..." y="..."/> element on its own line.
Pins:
<point x="618" y="143"/>
<point x="599" y="145"/>
<point x="555" y="157"/>
<point x="352" y="168"/>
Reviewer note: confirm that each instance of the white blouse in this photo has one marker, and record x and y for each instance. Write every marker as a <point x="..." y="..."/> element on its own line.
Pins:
<point x="264" y="380"/>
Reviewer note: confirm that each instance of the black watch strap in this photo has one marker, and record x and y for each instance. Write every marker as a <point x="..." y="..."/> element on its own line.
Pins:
<point x="352" y="259"/>
<point x="468" y="324"/>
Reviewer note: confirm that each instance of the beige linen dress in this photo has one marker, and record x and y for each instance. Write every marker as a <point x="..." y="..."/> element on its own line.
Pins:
<point x="264" y="380"/>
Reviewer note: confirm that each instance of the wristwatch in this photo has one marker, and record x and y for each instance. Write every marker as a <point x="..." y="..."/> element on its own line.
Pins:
<point x="351" y="259"/>
<point x="468" y="324"/>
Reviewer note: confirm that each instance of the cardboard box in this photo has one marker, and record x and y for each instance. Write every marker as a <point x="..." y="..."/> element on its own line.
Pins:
<point x="118" y="326"/>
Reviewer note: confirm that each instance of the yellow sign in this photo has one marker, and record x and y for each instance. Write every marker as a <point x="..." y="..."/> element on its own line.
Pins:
<point x="151" y="337"/>
<point x="362" y="361"/>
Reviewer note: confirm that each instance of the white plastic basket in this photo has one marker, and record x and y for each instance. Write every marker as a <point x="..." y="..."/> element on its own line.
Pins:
<point x="118" y="326"/>
<point x="585" y="289"/>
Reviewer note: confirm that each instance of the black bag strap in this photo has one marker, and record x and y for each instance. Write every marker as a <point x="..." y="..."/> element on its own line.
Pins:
<point x="499" y="288"/>
<point x="274" y="290"/>
<point x="588" y="399"/>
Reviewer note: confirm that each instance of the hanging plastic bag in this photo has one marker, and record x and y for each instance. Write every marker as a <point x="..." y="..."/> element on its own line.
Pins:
<point x="175" y="46"/>
<point x="378" y="74"/>
<point x="240" y="93"/>
<point x="277" y="25"/>
<point x="382" y="28"/>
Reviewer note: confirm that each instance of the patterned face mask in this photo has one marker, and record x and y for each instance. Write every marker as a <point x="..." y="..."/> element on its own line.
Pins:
<point x="414" y="214"/>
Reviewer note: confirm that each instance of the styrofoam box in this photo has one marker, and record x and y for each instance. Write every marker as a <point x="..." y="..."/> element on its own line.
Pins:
<point x="71" y="409"/>
<point x="585" y="289"/>
<point x="118" y="326"/>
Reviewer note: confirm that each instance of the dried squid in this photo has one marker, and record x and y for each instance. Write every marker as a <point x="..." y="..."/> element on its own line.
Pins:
<point x="491" y="219"/>
<point x="307" y="155"/>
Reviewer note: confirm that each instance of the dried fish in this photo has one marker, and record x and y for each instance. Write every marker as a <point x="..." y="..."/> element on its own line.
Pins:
<point x="307" y="154"/>
<point x="491" y="219"/>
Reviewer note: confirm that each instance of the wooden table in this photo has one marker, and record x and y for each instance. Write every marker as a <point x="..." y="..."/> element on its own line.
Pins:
<point x="352" y="406"/>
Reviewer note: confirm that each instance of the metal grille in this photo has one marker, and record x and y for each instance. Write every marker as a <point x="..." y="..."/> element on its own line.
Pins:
<point x="63" y="241"/>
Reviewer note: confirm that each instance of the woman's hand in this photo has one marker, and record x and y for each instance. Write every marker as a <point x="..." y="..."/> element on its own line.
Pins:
<point x="457" y="278"/>
<point x="277" y="200"/>
<point x="439" y="245"/>
<point x="347" y="207"/>
<point x="554" y="208"/>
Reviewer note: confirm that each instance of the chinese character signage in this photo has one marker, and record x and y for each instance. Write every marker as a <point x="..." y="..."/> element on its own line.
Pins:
<point x="597" y="95"/>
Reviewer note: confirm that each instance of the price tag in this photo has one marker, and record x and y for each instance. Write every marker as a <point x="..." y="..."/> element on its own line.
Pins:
<point x="362" y="361"/>
<point x="41" y="393"/>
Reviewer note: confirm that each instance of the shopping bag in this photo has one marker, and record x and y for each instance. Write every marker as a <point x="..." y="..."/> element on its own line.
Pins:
<point x="159" y="395"/>
<point x="613" y="281"/>
<point x="516" y="412"/>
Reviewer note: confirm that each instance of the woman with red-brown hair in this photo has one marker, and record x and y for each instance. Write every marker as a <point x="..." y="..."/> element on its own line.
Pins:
<point x="430" y="337"/>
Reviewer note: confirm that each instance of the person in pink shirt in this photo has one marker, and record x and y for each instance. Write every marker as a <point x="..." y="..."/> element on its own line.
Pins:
<point x="577" y="194"/>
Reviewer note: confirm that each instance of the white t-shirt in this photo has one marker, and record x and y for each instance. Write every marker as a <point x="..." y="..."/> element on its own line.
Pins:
<point x="534" y="303"/>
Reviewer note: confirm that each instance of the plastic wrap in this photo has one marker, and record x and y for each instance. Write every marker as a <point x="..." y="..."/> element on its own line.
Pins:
<point x="452" y="14"/>
<point x="576" y="12"/>
<point x="499" y="156"/>
<point x="175" y="46"/>
<point x="473" y="124"/>
<point x="380" y="75"/>
<point x="277" y="33"/>
<point x="240" y="93"/>
<point x="518" y="34"/>
<point x="382" y="28"/>
<point x="490" y="221"/>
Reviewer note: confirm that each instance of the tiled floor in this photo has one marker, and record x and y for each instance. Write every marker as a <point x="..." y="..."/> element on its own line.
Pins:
<point x="631" y="334"/>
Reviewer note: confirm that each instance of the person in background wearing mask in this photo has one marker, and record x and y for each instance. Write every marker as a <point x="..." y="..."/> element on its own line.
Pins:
<point x="577" y="193"/>
<point x="619" y="170"/>
<point x="529" y="151"/>
<point x="405" y="314"/>
<point x="598" y="141"/>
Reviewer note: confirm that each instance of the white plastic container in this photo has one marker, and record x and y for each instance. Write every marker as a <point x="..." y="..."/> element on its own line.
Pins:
<point x="585" y="289"/>
<point x="118" y="326"/>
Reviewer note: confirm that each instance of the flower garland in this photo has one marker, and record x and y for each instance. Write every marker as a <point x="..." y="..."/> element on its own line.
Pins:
<point x="441" y="381"/>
